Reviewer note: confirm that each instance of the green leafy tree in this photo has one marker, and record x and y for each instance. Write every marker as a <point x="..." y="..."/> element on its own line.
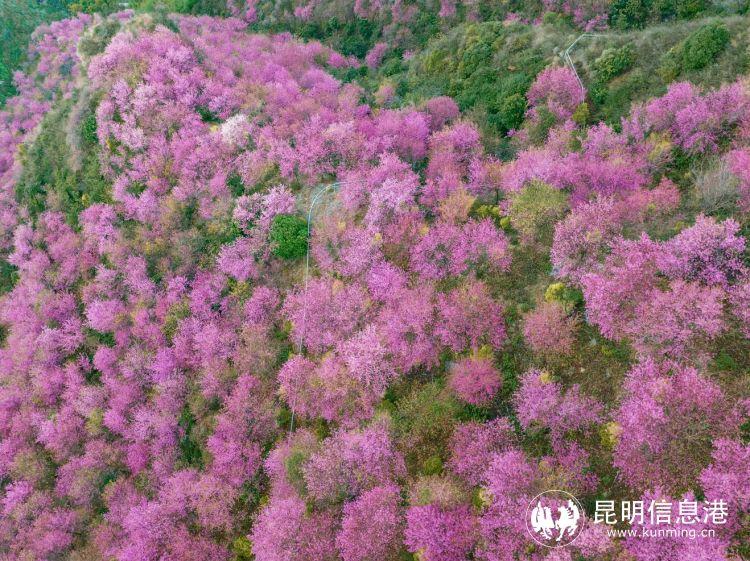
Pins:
<point x="18" y="19"/>
<point x="614" y="62"/>
<point x="704" y="45"/>
<point x="288" y="236"/>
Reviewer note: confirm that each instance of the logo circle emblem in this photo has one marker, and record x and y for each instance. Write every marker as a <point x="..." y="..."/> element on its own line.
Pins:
<point x="554" y="518"/>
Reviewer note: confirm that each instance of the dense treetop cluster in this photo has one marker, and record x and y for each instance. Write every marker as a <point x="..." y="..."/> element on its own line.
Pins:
<point x="181" y="378"/>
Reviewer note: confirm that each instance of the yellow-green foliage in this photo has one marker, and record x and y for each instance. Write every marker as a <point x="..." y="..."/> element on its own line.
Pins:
<point x="242" y="548"/>
<point x="432" y="466"/>
<point x="555" y="292"/>
<point x="93" y="6"/>
<point x="178" y="311"/>
<point x="614" y="62"/>
<point x="424" y="420"/>
<point x="535" y="209"/>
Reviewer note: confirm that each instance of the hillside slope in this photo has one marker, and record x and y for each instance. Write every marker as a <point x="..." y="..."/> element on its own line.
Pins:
<point x="507" y="285"/>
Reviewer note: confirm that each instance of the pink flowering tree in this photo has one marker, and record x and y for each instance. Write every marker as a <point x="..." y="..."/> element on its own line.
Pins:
<point x="666" y="424"/>
<point x="558" y="91"/>
<point x="549" y="329"/>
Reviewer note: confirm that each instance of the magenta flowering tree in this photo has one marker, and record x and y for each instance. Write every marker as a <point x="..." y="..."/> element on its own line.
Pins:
<point x="613" y="293"/>
<point x="372" y="526"/>
<point x="284" y="531"/>
<point x="739" y="299"/>
<point x="678" y="321"/>
<point x="359" y="460"/>
<point x="667" y="422"/>
<point x="375" y="55"/>
<point x="708" y="252"/>
<point x="352" y="480"/>
<point x="449" y="250"/>
<point x="549" y="330"/>
<point x="474" y="444"/>
<point x="713" y="547"/>
<point x="739" y="162"/>
<point x="440" y="534"/>
<point x="667" y="298"/>
<point x="241" y="429"/>
<point x="540" y="402"/>
<point x="470" y="318"/>
<point x="609" y="164"/>
<point x="723" y="480"/>
<point x="455" y="162"/>
<point x="407" y="322"/>
<point x="325" y="312"/>
<point x="441" y="110"/>
<point x="347" y="252"/>
<point x="582" y="239"/>
<point x="510" y="482"/>
<point x="475" y="380"/>
<point x="558" y="91"/>
<point x="331" y="390"/>
<point x="172" y="389"/>
<point x="698" y="123"/>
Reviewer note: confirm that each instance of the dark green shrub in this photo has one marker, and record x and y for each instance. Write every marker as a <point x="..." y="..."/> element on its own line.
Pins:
<point x="424" y="421"/>
<point x="538" y="132"/>
<point x="356" y="37"/>
<point x="288" y="236"/>
<point x="190" y="454"/>
<point x="614" y="99"/>
<point x="687" y="9"/>
<point x="47" y="172"/>
<point x="512" y="111"/>
<point x="196" y="7"/>
<point x="88" y="130"/>
<point x="8" y="276"/>
<point x="96" y="39"/>
<point x="432" y="466"/>
<point x="704" y="45"/>
<point x="294" y="466"/>
<point x="598" y="92"/>
<point x="635" y="14"/>
<point x="663" y="10"/>
<point x="425" y="26"/>
<point x="477" y="55"/>
<point x="671" y="65"/>
<point x="614" y="62"/>
<point x="629" y="14"/>
<point x="393" y="65"/>
<point x="207" y="115"/>
<point x="582" y="114"/>
<point x="235" y="184"/>
<point x="211" y="236"/>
